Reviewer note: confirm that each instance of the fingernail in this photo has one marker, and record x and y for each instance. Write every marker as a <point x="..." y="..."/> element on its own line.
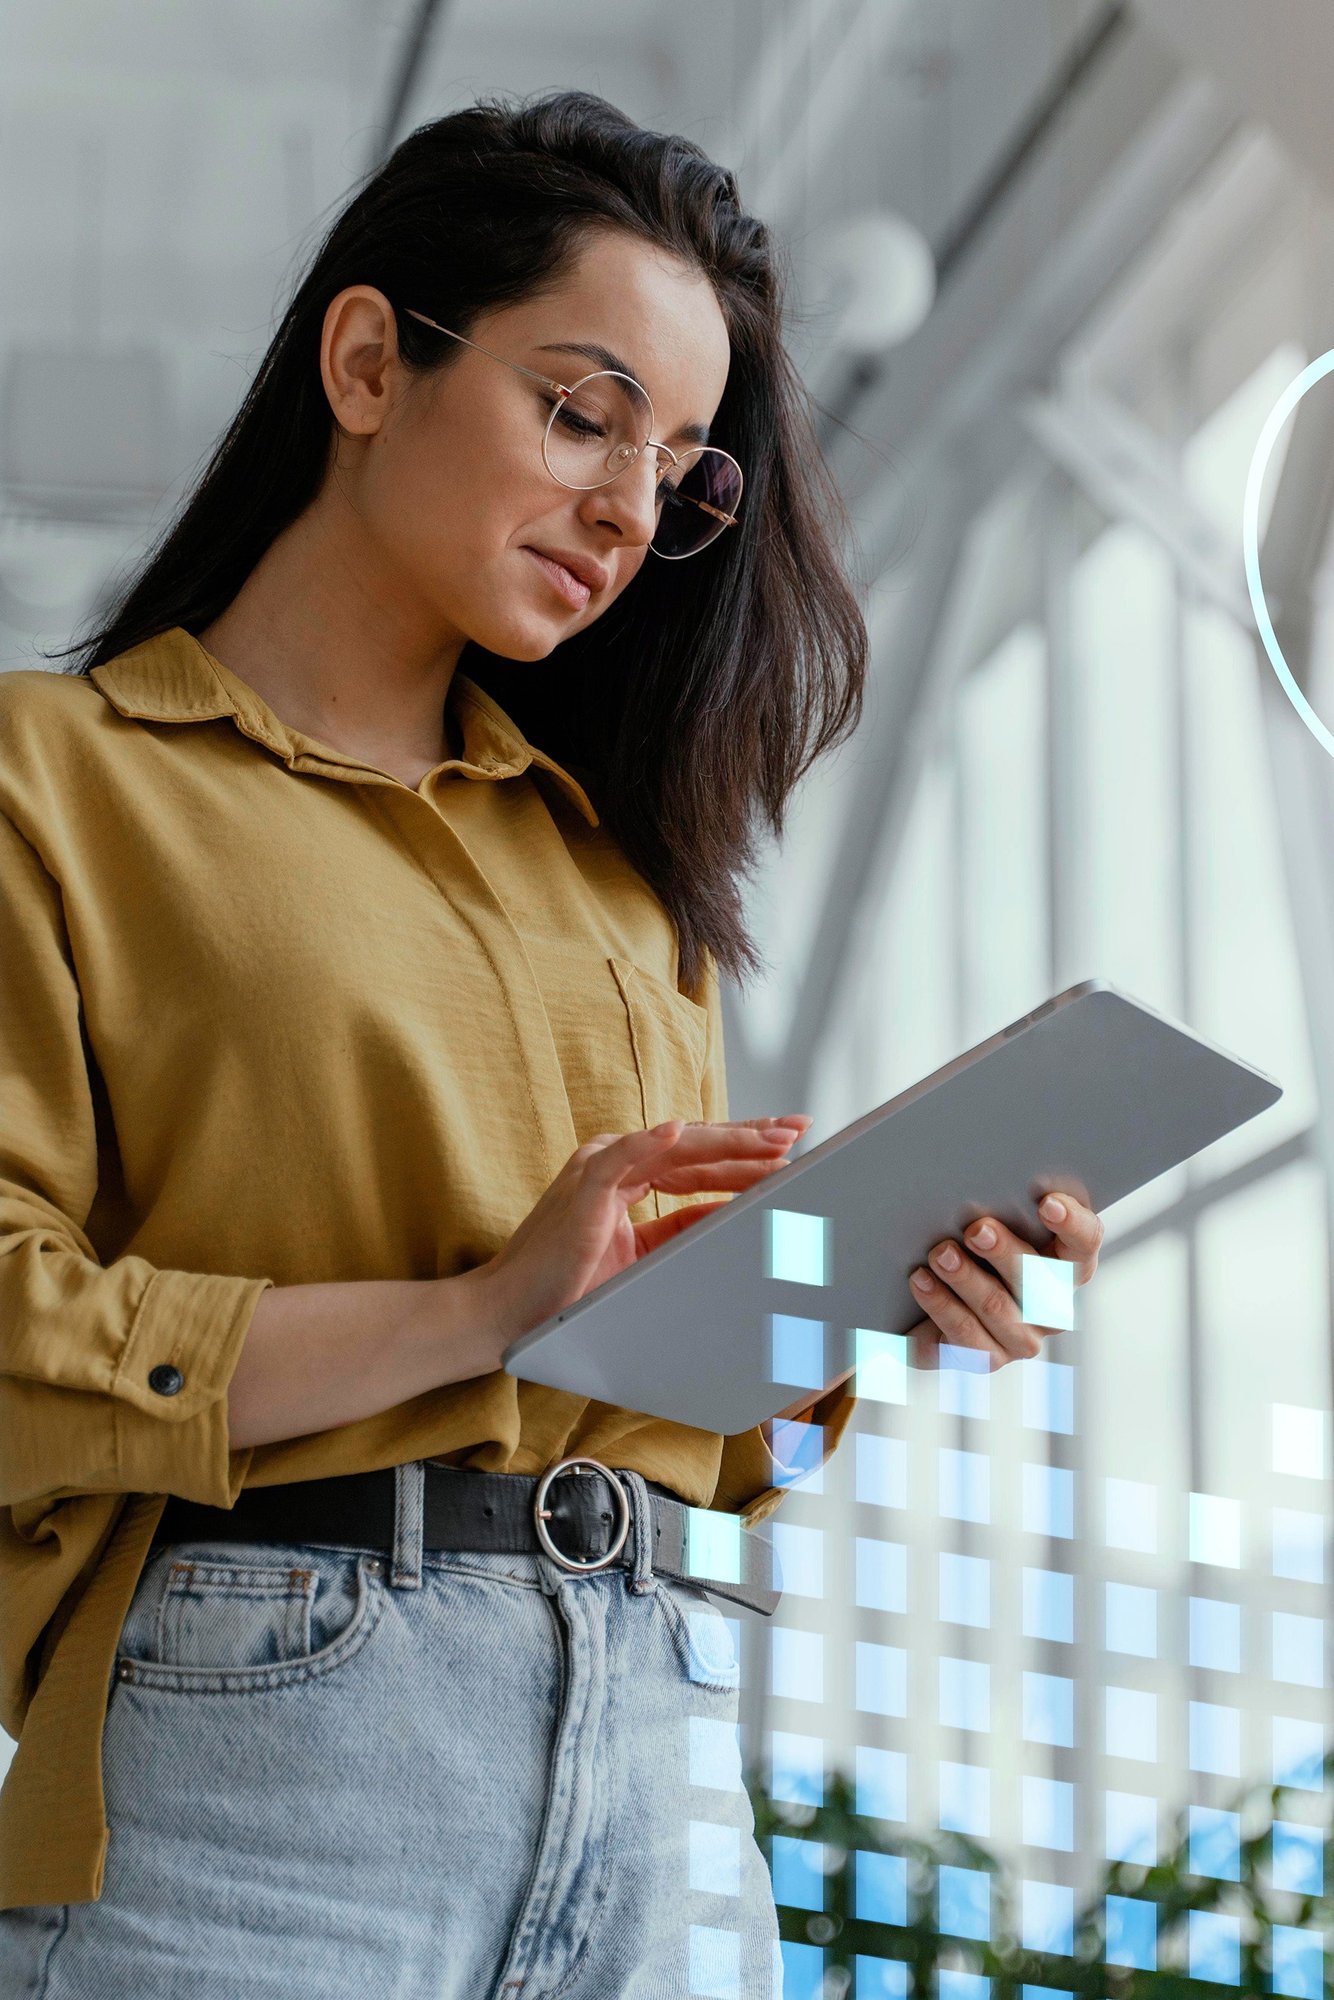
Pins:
<point x="983" y="1236"/>
<point x="920" y="1280"/>
<point x="1053" y="1210"/>
<point x="947" y="1257"/>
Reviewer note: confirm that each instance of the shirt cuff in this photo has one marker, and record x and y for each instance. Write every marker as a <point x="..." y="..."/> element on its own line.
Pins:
<point x="170" y="1388"/>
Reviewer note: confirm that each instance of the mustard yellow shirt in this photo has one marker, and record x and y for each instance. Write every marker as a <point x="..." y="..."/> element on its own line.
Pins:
<point x="271" y="1016"/>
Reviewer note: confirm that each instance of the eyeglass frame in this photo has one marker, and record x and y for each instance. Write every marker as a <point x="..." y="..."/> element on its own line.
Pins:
<point x="550" y="382"/>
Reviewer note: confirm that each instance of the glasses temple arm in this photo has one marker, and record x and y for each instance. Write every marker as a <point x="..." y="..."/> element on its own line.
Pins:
<point x="547" y="381"/>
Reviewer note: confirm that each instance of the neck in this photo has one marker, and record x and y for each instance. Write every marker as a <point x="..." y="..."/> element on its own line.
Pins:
<point x="337" y="646"/>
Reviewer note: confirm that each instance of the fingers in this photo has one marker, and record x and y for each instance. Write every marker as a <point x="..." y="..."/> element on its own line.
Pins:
<point x="972" y="1308"/>
<point x="1078" y="1232"/>
<point x="971" y="1305"/>
<point x="684" y="1157"/>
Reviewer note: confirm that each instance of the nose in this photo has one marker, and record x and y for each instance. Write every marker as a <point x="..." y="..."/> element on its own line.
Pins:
<point x="628" y="502"/>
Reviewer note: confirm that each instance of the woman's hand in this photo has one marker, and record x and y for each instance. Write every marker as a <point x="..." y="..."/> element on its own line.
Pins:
<point x="971" y="1306"/>
<point x="579" y="1235"/>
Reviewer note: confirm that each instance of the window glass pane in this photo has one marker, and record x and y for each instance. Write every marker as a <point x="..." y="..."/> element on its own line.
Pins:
<point x="1003" y="802"/>
<point x="1263" y="1346"/>
<point x="1216" y="460"/>
<point x="1245" y="980"/>
<point x="1125" y="925"/>
<point x="907" y="987"/>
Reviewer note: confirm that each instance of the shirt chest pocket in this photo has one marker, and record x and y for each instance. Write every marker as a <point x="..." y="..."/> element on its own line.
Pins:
<point x="669" y="1037"/>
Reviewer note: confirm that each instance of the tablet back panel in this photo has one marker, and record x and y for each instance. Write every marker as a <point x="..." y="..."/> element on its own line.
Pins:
<point x="1093" y="1092"/>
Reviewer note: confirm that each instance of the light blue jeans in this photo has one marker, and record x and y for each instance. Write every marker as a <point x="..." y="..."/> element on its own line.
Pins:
<point x="448" y="1776"/>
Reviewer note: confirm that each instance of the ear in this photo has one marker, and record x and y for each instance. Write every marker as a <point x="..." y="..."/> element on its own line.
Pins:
<point x="360" y="364"/>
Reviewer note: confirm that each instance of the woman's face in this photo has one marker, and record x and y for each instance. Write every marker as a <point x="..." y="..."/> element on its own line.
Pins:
<point x="444" y="472"/>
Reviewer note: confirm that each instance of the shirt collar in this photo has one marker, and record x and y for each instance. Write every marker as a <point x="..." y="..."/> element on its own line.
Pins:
<point x="173" y="678"/>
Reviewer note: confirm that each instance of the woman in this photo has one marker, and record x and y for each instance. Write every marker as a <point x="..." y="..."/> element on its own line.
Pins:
<point x="364" y="895"/>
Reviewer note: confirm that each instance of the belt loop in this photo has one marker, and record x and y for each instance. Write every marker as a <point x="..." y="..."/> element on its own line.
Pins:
<point x="405" y="1568"/>
<point x="642" y="1578"/>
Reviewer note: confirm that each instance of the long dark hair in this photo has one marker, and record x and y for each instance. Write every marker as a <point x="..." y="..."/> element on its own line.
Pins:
<point x="710" y="686"/>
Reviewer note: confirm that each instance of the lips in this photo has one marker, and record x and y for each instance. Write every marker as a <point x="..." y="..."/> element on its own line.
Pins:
<point x="575" y="576"/>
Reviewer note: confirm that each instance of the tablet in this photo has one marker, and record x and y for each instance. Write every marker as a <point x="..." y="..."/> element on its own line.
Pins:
<point x="728" y="1323"/>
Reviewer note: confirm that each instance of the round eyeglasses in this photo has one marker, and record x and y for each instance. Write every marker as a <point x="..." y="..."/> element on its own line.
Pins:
<point x="598" y="428"/>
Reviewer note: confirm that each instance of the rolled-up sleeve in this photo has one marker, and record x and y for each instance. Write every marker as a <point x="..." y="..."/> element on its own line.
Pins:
<point x="746" y="1475"/>
<point x="113" y="1378"/>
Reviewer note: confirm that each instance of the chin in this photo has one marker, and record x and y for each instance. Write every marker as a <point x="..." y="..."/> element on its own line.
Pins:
<point x="529" y="641"/>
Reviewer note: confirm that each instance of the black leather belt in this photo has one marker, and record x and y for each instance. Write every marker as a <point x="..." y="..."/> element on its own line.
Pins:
<point x="579" y="1512"/>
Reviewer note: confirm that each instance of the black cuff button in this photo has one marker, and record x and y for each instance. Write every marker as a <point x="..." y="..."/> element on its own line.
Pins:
<point x="166" y="1380"/>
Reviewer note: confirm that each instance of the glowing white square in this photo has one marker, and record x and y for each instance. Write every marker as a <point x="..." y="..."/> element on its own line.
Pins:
<point x="1131" y="1515"/>
<point x="1047" y="1289"/>
<point x="1215" y="1530"/>
<point x="1299" y="1440"/>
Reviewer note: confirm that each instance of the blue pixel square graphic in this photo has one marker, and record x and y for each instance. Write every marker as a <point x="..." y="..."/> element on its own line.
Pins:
<point x="882" y="1678"/>
<point x="1214" y="1945"/>
<point x="1132" y="1933"/>
<point x="798" y="1447"/>
<point x="1131" y="1717"/>
<point x="803" y="1970"/>
<point x="1297" y="1858"/>
<point x="800" y="1558"/>
<point x="1049" y="1499"/>
<point x="1131" y="1613"/>
<point x="1049" y="1709"/>
<point x="715" y="1858"/>
<point x="1132" y="1828"/>
<point x="714" y="1753"/>
<point x="880" y="1779"/>
<point x="1298" y="1649"/>
<point x="798" y="1872"/>
<point x="798" y="1351"/>
<point x="1049" y="1814"/>
<point x="1215" y="1843"/>
<point x="1049" y="1605"/>
<point x="965" y="1799"/>
<point x="963" y="1382"/>
<point x="713" y="1544"/>
<point x="881" y="1574"/>
<point x="1215" y="1739"/>
<point x="880" y="1888"/>
<point x="965" y="1694"/>
<point x="879" y="1978"/>
<point x="1047" y="1920"/>
<point x="1047" y="1291"/>
<point x="965" y="1902"/>
<point x="1215" y="1634"/>
<point x="715" y="1963"/>
<point x="1298" y="1753"/>
<point x="796" y="1765"/>
<point x="882" y="1470"/>
<point x="965" y="1485"/>
<point x="1298" y="1962"/>
<point x="1049" y="1396"/>
<point x="797" y="1246"/>
<point x="881" y="1362"/>
<point x="953" y="1985"/>
<point x="798" y="1664"/>
<point x="965" y="1589"/>
<point x="1299" y="1545"/>
<point x="1130" y="1515"/>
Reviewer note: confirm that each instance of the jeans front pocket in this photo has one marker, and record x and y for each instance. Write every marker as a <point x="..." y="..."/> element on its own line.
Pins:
<point x="703" y="1636"/>
<point x="232" y="1618"/>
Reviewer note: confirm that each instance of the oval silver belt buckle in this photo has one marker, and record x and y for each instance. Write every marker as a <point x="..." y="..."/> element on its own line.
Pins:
<point x="542" y="1514"/>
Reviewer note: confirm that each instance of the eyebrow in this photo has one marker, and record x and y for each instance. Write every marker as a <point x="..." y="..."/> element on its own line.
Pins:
<point x="695" y="433"/>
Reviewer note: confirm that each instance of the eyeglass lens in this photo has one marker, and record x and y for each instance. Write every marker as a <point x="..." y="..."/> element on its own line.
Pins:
<point x="599" y="430"/>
